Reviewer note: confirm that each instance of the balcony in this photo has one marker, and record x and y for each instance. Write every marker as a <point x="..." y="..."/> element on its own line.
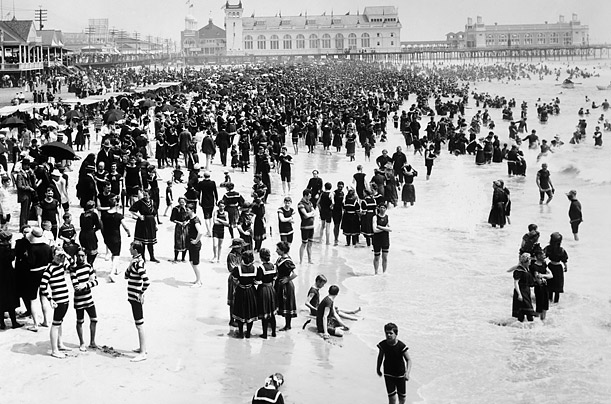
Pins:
<point x="21" y="67"/>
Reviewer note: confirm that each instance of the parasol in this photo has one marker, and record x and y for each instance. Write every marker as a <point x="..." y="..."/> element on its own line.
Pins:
<point x="58" y="150"/>
<point x="113" y="115"/>
<point x="73" y="114"/>
<point x="49" y="124"/>
<point x="12" y="121"/>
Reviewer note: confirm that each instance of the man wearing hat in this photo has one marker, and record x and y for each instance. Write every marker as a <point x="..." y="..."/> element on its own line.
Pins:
<point x="575" y="214"/>
<point x="25" y="190"/>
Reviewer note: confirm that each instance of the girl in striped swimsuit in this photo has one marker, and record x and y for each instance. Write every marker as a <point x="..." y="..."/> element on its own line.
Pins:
<point x="53" y="286"/>
<point x="137" y="283"/>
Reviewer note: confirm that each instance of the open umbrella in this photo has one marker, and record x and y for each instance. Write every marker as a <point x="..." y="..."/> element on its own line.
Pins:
<point x="58" y="150"/>
<point x="168" y="108"/>
<point x="73" y="114"/>
<point x="113" y="115"/>
<point x="148" y="103"/>
<point x="49" y="124"/>
<point x="12" y="121"/>
<point x="180" y="110"/>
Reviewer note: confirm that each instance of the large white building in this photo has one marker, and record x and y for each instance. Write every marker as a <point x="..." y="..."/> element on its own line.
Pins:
<point x="376" y="29"/>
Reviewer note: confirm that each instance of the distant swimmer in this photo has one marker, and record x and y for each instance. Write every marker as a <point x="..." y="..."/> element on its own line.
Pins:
<point x="544" y="182"/>
<point x="545" y="148"/>
<point x="533" y="139"/>
<point x="598" y="137"/>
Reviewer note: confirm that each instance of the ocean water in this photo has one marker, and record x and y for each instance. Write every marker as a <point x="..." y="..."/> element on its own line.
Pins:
<point x="448" y="288"/>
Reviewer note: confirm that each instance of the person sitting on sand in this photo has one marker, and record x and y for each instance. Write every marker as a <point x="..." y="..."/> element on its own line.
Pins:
<point x="328" y="321"/>
<point x="313" y="300"/>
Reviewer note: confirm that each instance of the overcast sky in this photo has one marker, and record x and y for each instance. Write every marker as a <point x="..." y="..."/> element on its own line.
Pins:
<point x="421" y="20"/>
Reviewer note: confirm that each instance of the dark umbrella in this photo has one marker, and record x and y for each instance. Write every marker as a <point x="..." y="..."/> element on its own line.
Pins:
<point x="168" y="108"/>
<point x="150" y="94"/>
<point x="12" y="121"/>
<point x="113" y="115"/>
<point x="180" y="110"/>
<point x="58" y="150"/>
<point x="73" y="114"/>
<point x="148" y="103"/>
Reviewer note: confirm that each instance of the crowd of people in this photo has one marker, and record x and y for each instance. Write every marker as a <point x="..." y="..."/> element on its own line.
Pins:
<point x="246" y="114"/>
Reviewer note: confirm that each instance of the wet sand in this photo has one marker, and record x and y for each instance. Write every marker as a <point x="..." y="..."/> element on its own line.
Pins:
<point x="192" y="354"/>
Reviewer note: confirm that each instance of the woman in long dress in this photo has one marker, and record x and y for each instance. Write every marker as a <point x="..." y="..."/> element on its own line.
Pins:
<point x="285" y="290"/>
<point x="408" y="192"/>
<point x="522" y="282"/>
<point x="179" y="218"/>
<point x="90" y="224"/>
<point x="497" y="211"/>
<point x="266" y="295"/>
<point x="244" y="299"/>
<point x="350" y="220"/>
<point x="557" y="264"/>
<point x="146" y="228"/>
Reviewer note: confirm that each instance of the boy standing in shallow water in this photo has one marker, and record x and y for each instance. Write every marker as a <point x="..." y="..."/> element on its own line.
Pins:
<point x="397" y="364"/>
<point x="137" y="283"/>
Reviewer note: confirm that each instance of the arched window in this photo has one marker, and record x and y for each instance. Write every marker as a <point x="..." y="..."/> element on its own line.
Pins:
<point x="339" y="41"/>
<point x="313" y="41"/>
<point x="274" y="42"/>
<point x="287" y="42"/>
<point x="248" y="42"/>
<point x="261" y="42"/>
<point x="300" y="41"/>
<point x="352" y="40"/>
<point x="365" y="40"/>
<point x="326" y="41"/>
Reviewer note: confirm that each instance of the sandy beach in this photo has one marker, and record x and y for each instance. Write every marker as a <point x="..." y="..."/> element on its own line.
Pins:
<point x="192" y="355"/>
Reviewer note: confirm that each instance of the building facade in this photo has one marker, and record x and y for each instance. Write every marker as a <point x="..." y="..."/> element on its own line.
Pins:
<point x="207" y="41"/>
<point x="558" y="34"/>
<point x="377" y="29"/>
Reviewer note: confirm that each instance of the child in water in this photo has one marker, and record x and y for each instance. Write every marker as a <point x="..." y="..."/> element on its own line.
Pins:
<point x="313" y="300"/>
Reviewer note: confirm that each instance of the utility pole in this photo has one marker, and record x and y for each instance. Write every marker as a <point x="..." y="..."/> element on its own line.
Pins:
<point x="90" y="30"/>
<point x="137" y="38"/>
<point x="41" y="16"/>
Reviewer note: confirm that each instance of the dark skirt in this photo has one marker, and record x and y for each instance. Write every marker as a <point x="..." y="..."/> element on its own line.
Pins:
<point x="367" y="224"/>
<point x="541" y="298"/>
<point x="232" y="214"/>
<point x="245" y="304"/>
<point x="556" y="284"/>
<point x="146" y="230"/>
<point x="287" y="306"/>
<point x="113" y="242"/>
<point x="266" y="301"/>
<point x="180" y="238"/>
<point x="9" y="298"/>
<point x="497" y="214"/>
<point x="89" y="241"/>
<point x="524" y="307"/>
<point x="350" y="148"/>
<point x="259" y="230"/>
<point x="408" y="193"/>
<point x="351" y="225"/>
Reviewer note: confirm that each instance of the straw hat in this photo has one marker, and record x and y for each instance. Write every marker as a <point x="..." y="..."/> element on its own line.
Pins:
<point x="35" y="236"/>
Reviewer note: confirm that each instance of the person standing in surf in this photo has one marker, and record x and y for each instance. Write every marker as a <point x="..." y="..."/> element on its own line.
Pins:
<point x="575" y="214"/>
<point x="544" y="182"/>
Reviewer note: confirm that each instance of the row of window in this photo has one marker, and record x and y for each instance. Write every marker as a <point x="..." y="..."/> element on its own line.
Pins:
<point x="542" y="38"/>
<point x="313" y="41"/>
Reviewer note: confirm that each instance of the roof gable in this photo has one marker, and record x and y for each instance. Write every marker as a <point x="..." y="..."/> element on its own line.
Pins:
<point x="211" y="31"/>
<point x="24" y="30"/>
